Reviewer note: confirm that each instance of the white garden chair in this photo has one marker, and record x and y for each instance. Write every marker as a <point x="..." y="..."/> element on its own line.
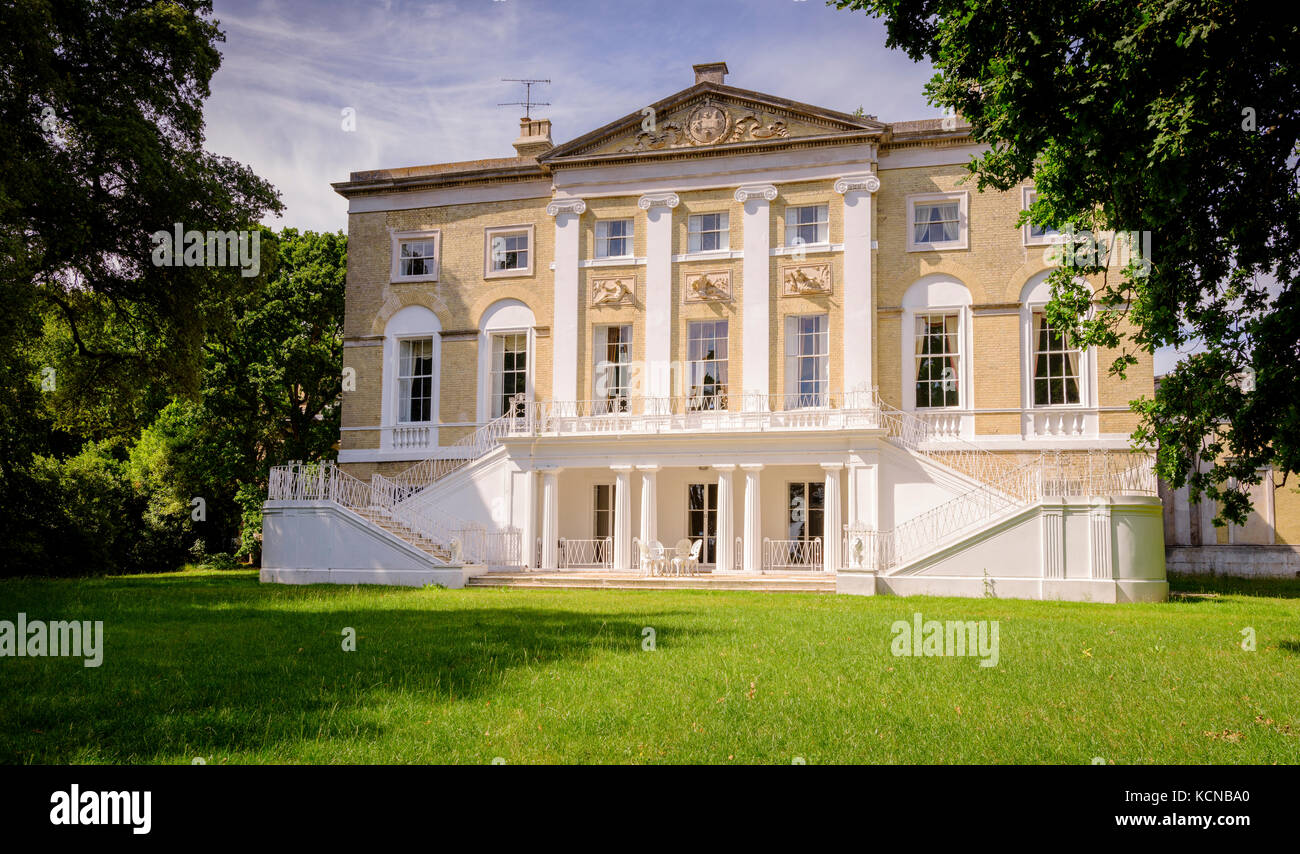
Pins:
<point x="650" y="561"/>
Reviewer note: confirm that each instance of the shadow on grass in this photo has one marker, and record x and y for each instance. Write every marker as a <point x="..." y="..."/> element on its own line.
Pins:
<point x="202" y="669"/>
<point x="1275" y="588"/>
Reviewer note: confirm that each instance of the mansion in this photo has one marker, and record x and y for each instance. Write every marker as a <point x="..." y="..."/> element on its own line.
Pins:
<point x="798" y="339"/>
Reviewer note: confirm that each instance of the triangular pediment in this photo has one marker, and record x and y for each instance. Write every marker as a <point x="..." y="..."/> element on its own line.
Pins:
<point x="713" y="118"/>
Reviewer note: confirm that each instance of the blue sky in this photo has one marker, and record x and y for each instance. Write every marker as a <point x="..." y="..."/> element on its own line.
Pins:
<point x="425" y="78"/>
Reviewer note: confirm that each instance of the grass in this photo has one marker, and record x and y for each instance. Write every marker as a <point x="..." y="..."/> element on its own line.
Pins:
<point x="214" y="665"/>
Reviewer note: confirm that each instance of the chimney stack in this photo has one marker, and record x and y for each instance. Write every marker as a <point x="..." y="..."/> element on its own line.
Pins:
<point x="534" y="137"/>
<point x="710" y="72"/>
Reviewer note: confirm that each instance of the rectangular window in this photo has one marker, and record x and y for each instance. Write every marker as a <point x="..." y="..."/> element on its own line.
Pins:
<point x="1056" y="366"/>
<point x="935" y="222"/>
<point x="708" y="233"/>
<point x="1036" y="233"/>
<point x="613" y="381"/>
<point x="602" y="523"/>
<point x="613" y="238"/>
<point x="510" y="251"/>
<point x="509" y="371"/>
<point x="415" y="380"/>
<point x="938" y="360"/>
<point x="804" y="510"/>
<point x="706" y="364"/>
<point x="808" y="224"/>
<point x="807" y="362"/>
<point x="418" y="258"/>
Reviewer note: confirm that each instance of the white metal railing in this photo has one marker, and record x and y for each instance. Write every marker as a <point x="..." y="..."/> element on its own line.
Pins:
<point x="1048" y="476"/>
<point x="586" y="554"/>
<point x="792" y="554"/>
<point x="737" y="412"/>
<point x="470" y="542"/>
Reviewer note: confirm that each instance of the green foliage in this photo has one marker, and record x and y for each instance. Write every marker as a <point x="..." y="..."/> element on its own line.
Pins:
<point x="1177" y="117"/>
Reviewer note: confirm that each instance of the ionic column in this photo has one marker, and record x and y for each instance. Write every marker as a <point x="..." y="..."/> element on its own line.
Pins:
<point x="564" y="324"/>
<point x="550" y="519"/>
<point x="857" y="190"/>
<point x="658" y="209"/>
<point x="753" y="544"/>
<point x="757" y="289"/>
<point x="832" y="527"/>
<point x="726" y="528"/>
<point x="622" y="517"/>
<point x="649" y="518"/>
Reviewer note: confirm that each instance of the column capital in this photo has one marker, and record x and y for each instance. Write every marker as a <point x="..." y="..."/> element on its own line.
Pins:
<point x="622" y="469"/>
<point x="545" y="469"/>
<point x="755" y="191"/>
<point x="752" y="466"/>
<point x="648" y="469"/>
<point x="559" y="206"/>
<point x="849" y="183"/>
<point x="725" y="467"/>
<point x="832" y="466"/>
<point x="652" y="200"/>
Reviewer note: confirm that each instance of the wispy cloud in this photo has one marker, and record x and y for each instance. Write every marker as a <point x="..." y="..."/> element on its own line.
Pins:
<point x="425" y="78"/>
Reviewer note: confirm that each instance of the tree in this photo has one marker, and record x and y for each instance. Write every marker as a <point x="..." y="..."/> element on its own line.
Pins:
<point x="1175" y="117"/>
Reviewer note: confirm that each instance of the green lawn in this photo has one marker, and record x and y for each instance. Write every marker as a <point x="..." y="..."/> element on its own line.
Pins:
<point x="217" y="666"/>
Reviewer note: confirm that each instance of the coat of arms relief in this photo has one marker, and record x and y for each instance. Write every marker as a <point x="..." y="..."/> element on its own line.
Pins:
<point x="710" y="123"/>
<point x="806" y="280"/>
<point x="713" y="286"/>
<point x="613" y="290"/>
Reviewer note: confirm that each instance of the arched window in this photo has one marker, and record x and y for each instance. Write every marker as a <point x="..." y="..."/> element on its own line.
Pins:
<point x="1058" y="381"/>
<point x="505" y="360"/>
<point x="936" y="353"/>
<point x="412" y="358"/>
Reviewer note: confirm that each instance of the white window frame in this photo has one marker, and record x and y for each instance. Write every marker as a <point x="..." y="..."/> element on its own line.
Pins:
<point x="939" y="294"/>
<point x="724" y="232"/>
<point x="726" y="392"/>
<point x="604" y="224"/>
<point x="793" y="398"/>
<point x="508" y="231"/>
<point x="823" y="224"/>
<point x="599" y="352"/>
<point x="501" y="318"/>
<point x="400" y="237"/>
<point x="961" y="354"/>
<point x="1080" y="379"/>
<point x="595" y="508"/>
<point x="492" y="369"/>
<point x="963" y="221"/>
<point x="413" y="321"/>
<point x="1033" y="298"/>
<point x="402" y="400"/>
<point x="1027" y="196"/>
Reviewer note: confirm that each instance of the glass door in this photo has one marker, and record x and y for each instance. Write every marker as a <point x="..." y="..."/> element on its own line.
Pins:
<point x="702" y="518"/>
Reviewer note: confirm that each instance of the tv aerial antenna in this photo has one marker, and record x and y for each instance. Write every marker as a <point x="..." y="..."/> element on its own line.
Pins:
<point x="527" y="103"/>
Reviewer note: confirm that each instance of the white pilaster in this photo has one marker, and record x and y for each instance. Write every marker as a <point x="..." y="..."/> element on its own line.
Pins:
<point x="753" y="544"/>
<point x="832" y="526"/>
<point x="649" y="504"/>
<point x="528" y="530"/>
<point x="564" y="324"/>
<point x="622" y="517"/>
<point x="857" y="190"/>
<point x="658" y="292"/>
<point x="550" y="519"/>
<point x="726" y="516"/>
<point x="757" y="289"/>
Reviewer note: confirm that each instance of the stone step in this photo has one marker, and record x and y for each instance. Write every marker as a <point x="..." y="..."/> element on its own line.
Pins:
<point x="609" y="581"/>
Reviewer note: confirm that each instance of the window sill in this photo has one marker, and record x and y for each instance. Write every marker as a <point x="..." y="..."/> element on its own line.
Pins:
<point x="958" y="245"/>
<point x="711" y="255"/>
<point x="613" y="261"/>
<point x="412" y="280"/>
<point x="808" y="248"/>
<point x="509" y="274"/>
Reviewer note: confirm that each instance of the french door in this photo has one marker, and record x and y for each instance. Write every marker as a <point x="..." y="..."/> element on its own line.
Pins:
<point x="702" y="518"/>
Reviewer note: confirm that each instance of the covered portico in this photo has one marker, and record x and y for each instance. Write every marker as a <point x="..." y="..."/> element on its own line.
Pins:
<point x="759" y="505"/>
